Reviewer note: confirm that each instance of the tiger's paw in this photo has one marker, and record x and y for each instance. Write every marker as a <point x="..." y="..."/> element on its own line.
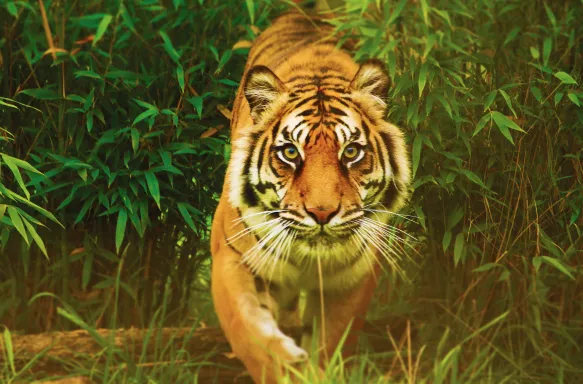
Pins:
<point x="279" y="345"/>
<point x="286" y="349"/>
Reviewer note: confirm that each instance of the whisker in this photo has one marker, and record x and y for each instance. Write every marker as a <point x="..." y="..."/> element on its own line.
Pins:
<point x="257" y="214"/>
<point x="380" y="232"/>
<point x="256" y="256"/>
<point x="252" y="228"/>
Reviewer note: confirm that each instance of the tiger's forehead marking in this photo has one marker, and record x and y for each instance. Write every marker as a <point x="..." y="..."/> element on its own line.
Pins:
<point x="336" y="126"/>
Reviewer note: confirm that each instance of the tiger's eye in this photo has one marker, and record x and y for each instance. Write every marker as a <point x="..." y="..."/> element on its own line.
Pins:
<point x="350" y="152"/>
<point x="290" y="152"/>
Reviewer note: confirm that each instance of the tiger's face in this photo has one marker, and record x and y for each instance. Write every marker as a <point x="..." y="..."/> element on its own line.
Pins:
<point x="319" y="164"/>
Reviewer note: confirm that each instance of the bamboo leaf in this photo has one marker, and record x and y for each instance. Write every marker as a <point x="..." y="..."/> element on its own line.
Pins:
<point x="186" y="215"/>
<point x="574" y="99"/>
<point x="487" y="118"/>
<point x="37" y="239"/>
<point x="417" y="144"/>
<point x="120" y="228"/>
<point x="458" y="248"/>
<point x="547" y="47"/>
<point x="16" y="172"/>
<point x="17" y="222"/>
<point x="87" y="270"/>
<point x="565" y="78"/>
<point x="153" y="186"/>
<point x="172" y="52"/>
<point x="558" y="265"/>
<point x="180" y="77"/>
<point x="101" y="29"/>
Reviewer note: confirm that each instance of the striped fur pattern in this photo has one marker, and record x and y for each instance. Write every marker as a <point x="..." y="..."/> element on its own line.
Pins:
<point x="315" y="173"/>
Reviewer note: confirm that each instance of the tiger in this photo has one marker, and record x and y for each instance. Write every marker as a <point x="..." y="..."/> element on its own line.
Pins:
<point x="314" y="176"/>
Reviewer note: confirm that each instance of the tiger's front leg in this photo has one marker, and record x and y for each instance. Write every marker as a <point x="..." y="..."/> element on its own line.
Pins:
<point x="246" y="318"/>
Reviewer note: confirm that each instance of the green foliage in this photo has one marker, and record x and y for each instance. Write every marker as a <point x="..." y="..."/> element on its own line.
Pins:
<point x="490" y="95"/>
<point x="120" y="129"/>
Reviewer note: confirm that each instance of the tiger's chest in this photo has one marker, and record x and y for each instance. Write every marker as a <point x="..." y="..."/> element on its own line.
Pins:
<point x="299" y="274"/>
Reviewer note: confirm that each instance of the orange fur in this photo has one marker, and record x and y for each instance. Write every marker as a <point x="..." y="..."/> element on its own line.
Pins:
<point x="310" y="150"/>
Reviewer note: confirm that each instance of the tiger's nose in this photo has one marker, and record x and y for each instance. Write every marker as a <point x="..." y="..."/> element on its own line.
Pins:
<point x="322" y="215"/>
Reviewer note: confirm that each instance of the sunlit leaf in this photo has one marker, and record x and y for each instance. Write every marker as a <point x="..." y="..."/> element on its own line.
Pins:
<point x="102" y="28"/>
<point x="565" y="78"/>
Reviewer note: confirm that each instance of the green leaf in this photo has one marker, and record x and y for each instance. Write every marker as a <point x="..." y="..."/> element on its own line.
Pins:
<point x="12" y="164"/>
<point x="224" y="60"/>
<point x="87" y="270"/>
<point x="506" y="133"/>
<point x="489" y="99"/>
<point x="458" y="248"/>
<point x="89" y="121"/>
<point x="417" y="145"/>
<point x="454" y="217"/>
<point x="547" y="47"/>
<point x="422" y="78"/>
<point x="559" y="265"/>
<point x="487" y="267"/>
<point x="144" y="115"/>
<point x="251" y="10"/>
<point x="90" y="74"/>
<point x="172" y="52"/>
<point x="41" y="93"/>
<point x="17" y="222"/>
<point x="511" y="36"/>
<point x="101" y="29"/>
<point x="534" y="52"/>
<point x="487" y="118"/>
<point x="135" y="139"/>
<point x="120" y="228"/>
<point x="550" y="15"/>
<point x="13" y="11"/>
<point x="536" y="93"/>
<point x="504" y="123"/>
<point x="446" y="240"/>
<point x="424" y="11"/>
<point x="145" y="105"/>
<point x="85" y="208"/>
<point x="196" y="102"/>
<point x="565" y="78"/>
<point x="558" y="97"/>
<point x="574" y="99"/>
<point x="9" y="350"/>
<point x="186" y="215"/>
<point x="40" y="210"/>
<point x="180" y="77"/>
<point x="473" y="178"/>
<point x="153" y="186"/>
<point x="37" y="239"/>
<point x="508" y="101"/>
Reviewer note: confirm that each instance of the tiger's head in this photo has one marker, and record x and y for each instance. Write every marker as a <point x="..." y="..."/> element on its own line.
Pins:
<point x="319" y="164"/>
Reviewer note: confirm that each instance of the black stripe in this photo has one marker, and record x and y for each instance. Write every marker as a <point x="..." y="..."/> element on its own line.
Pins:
<point x="337" y="111"/>
<point x="391" y="150"/>
<point x="272" y="166"/>
<point x="261" y="154"/>
<point x="232" y="246"/>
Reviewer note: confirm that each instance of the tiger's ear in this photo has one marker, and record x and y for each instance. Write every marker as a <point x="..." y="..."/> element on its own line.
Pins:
<point x="262" y="88"/>
<point x="372" y="78"/>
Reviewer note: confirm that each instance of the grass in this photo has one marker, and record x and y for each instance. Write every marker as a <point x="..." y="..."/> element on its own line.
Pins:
<point x="488" y="93"/>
